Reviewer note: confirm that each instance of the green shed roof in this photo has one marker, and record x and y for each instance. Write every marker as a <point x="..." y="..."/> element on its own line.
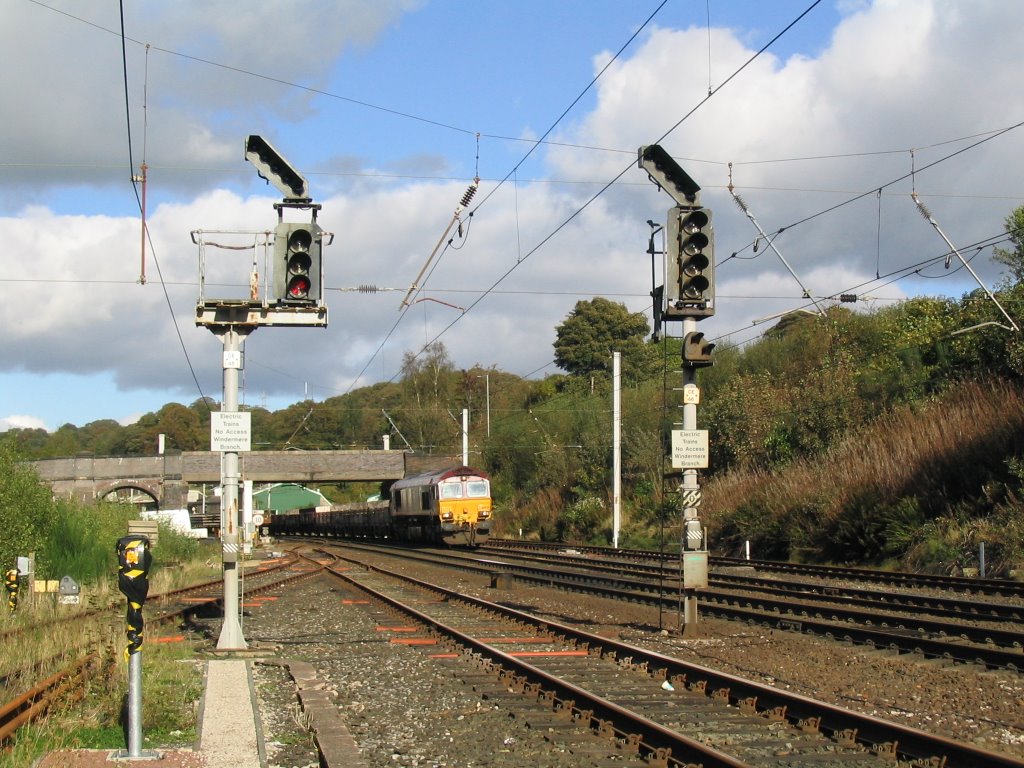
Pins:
<point x="287" y="496"/>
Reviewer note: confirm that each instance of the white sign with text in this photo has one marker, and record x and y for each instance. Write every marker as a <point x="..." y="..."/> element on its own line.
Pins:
<point x="689" y="448"/>
<point x="231" y="431"/>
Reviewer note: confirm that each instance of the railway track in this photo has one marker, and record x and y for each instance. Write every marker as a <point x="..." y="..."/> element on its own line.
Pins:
<point x="64" y="681"/>
<point x="849" y="595"/>
<point x="990" y="644"/>
<point x="965" y="585"/>
<point x="642" y="704"/>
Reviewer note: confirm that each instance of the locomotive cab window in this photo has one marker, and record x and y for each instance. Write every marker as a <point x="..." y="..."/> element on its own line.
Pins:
<point x="451" y="490"/>
<point x="477" y="488"/>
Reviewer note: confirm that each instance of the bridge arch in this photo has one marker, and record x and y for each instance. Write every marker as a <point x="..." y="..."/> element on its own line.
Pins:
<point x="119" y="488"/>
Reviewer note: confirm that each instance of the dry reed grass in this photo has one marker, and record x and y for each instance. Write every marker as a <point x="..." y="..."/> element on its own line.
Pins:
<point x="939" y="452"/>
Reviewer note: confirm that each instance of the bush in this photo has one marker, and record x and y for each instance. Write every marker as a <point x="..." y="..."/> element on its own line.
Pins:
<point x="81" y="541"/>
<point x="26" y="509"/>
<point x="582" y="520"/>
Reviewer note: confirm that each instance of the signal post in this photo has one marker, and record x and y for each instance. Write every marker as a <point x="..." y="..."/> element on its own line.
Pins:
<point x="688" y="295"/>
<point x="292" y="295"/>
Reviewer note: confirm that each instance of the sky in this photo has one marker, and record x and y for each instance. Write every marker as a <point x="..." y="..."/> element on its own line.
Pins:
<point x="822" y="117"/>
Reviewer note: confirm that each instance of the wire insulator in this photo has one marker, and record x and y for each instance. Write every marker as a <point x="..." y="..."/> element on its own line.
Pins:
<point x="368" y="289"/>
<point x="848" y="298"/>
<point x="470" y="191"/>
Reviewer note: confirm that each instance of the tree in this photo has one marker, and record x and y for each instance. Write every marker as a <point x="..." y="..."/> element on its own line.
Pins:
<point x="26" y="507"/>
<point x="1014" y="259"/>
<point x="585" y="341"/>
<point x="428" y="384"/>
<point x="182" y="428"/>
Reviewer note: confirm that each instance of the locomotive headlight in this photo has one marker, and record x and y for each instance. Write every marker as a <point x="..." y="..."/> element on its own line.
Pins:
<point x="483" y="514"/>
<point x="447" y="516"/>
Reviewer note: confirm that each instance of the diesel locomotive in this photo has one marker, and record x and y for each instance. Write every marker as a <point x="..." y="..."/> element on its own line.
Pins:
<point x="449" y="506"/>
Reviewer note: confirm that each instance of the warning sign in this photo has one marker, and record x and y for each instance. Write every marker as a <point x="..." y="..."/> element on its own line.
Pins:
<point x="231" y="431"/>
<point x="689" y="448"/>
<point x="690" y="497"/>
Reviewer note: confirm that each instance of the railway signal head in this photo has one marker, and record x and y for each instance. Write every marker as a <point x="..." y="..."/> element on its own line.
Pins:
<point x="697" y="351"/>
<point x="298" y="250"/>
<point x="690" y="264"/>
<point x="272" y="166"/>
<point x="664" y="171"/>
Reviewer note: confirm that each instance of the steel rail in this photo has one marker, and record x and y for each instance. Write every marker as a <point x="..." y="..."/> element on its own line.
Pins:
<point x="879" y="735"/>
<point x="37" y="700"/>
<point x="949" y="607"/>
<point x="965" y="584"/>
<point x="778" y="614"/>
<point x="600" y="713"/>
<point x="33" y="703"/>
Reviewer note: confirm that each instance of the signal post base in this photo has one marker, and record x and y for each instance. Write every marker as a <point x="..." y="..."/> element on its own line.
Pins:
<point x="689" y="626"/>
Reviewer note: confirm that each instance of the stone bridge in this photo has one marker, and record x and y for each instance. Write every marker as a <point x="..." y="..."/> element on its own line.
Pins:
<point x="167" y="478"/>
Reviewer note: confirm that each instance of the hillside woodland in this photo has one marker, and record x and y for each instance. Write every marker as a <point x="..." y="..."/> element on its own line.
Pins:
<point x="887" y="435"/>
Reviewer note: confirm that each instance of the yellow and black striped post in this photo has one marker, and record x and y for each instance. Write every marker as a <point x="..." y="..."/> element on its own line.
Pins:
<point x="11" y="583"/>
<point x="134" y="559"/>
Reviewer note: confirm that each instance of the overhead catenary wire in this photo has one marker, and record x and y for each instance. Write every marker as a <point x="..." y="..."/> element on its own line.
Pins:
<point x="615" y="179"/>
<point x="770" y="241"/>
<point x="630" y="151"/>
<point x="467" y="197"/>
<point x="167" y="297"/>
<point x="931" y="220"/>
<point x="459" y="129"/>
<point x="511" y="173"/>
<point x="877" y="269"/>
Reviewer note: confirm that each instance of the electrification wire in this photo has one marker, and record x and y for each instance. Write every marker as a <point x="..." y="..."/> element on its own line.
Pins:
<point x="896" y="275"/>
<point x="506" y="178"/>
<point x="882" y="281"/>
<point x="552" y="127"/>
<point x="575" y="101"/>
<point x="742" y="67"/>
<point x="459" y="129"/>
<point x="905" y="176"/>
<point x="988" y="136"/>
<point x="131" y="164"/>
<point x="605" y="187"/>
<point x="608" y="184"/>
<point x="578" y="211"/>
<point x="329" y="94"/>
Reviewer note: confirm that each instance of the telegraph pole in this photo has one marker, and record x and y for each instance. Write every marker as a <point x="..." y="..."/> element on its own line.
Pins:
<point x="688" y="295"/>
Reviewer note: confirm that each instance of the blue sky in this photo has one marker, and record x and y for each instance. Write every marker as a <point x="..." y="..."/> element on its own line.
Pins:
<point x="380" y="104"/>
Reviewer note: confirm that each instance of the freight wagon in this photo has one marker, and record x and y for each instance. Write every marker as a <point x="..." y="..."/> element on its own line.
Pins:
<point x="449" y="506"/>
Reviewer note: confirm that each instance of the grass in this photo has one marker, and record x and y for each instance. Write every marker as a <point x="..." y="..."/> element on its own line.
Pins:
<point x="172" y="683"/>
<point x="919" y="487"/>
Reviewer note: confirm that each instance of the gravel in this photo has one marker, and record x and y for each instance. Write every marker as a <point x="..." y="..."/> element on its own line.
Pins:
<point x="398" y="705"/>
<point x="405" y="709"/>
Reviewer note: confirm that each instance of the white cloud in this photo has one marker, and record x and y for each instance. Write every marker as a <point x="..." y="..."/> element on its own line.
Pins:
<point x="896" y="76"/>
<point x="20" y="422"/>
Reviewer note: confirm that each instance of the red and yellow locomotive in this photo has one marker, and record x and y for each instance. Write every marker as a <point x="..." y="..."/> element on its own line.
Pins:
<point x="448" y="506"/>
